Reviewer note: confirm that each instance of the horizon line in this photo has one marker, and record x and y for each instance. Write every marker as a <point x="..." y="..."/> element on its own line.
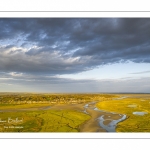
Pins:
<point x="80" y="92"/>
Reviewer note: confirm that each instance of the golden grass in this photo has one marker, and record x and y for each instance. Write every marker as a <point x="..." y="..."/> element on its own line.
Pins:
<point x="133" y="123"/>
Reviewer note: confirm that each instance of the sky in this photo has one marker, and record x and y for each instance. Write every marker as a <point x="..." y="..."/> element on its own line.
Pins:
<point x="75" y="55"/>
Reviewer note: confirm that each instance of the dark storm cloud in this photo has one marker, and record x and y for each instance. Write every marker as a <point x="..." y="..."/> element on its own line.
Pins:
<point x="71" y="45"/>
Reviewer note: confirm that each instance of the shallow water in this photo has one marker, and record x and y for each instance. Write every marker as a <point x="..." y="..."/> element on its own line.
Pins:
<point x="86" y="106"/>
<point x="85" y="111"/>
<point x="140" y="113"/>
<point x="111" y="127"/>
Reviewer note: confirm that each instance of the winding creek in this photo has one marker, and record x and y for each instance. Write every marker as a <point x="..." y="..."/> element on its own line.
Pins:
<point x="107" y="120"/>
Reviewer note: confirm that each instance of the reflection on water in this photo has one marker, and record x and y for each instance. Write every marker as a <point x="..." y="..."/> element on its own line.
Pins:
<point x="112" y="125"/>
<point x="85" y="107"/>
<point x="139" y="113"/>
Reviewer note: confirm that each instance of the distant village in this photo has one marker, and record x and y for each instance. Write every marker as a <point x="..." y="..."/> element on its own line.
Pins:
<point x="51" y="99"/>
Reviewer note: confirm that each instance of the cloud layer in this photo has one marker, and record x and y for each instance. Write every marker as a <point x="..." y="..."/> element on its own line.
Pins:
<point x="31" y="83"/>
<point x="70" y="45"/>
